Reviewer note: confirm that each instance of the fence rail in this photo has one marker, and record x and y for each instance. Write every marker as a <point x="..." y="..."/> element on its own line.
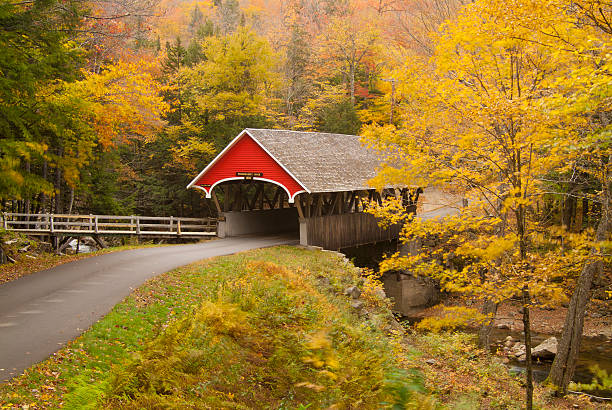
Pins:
<point x="64" y="224"/>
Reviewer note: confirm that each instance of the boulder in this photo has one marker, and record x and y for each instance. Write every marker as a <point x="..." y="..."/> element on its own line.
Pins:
<point x="379" y="293"/>
<point x="357" y="304"/>
<point x="353" y="291"/>
<point x="546" y="350"/>
<point x="504" y="325"/>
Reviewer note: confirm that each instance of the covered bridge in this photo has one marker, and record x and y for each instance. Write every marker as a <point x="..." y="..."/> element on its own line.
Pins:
<point x="313" y="183"/>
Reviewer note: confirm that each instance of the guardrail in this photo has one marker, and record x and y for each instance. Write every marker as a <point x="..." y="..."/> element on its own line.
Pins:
<point x="65" y="224"/>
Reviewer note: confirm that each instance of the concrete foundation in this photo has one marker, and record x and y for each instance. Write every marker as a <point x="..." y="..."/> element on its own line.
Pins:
<point x="258" y="222"/>
<point x="410" y="294"/>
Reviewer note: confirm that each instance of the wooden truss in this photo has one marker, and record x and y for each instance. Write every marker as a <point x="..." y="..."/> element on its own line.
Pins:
<point x="250" y="195"/>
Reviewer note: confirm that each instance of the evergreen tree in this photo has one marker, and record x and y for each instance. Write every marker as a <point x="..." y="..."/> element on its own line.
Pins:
<point x="35" y="52"/>
<point x="339" y="118"/>
<point x="171" y="67"/>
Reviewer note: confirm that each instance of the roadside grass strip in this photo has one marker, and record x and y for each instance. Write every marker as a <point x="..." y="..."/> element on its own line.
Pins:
<point x="269" y="328"/>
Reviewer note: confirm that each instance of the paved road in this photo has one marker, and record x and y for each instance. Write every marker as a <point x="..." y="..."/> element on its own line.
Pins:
<point x="41" y="312"/>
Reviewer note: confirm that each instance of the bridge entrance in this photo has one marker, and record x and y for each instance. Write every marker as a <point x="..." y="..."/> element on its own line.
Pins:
<point x="268" y="181"/>
<point x="254" y="207"/>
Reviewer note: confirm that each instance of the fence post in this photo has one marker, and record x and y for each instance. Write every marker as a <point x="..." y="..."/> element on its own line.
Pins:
<point x="90" y="227"/>
<point x="171" y="223"/>
<point x="4" y="224"/>
<point x="51" y="223"/>
<point x="138" y="225"/>
<point x="131" y="222"/>
<point x="178" y="228"/>
<point x="96" y="224"/>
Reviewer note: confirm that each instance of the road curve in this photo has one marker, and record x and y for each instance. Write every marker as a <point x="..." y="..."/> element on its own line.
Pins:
<point x="39" y="313"/>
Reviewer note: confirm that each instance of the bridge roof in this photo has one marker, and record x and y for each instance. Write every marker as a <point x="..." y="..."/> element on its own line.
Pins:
<point x="311" y="161"/>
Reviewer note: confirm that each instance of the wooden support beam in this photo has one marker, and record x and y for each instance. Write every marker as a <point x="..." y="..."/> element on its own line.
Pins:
<point x="258" y="192"/>
<point x="63" y="243"/>
<point x="332" y="208"/>
<point x="298" y="205"/>
<point x="278" y="197"/>
<point x="349" y="207"/>
<point x="308" y="204"/>
<point x="261" y="198"/>
<point x="99" y="241"/>
<point x="216" y="201"/>
<point x="378" y="198"/>
<point x="270" y="203"/>
<point x="319" y="205"/>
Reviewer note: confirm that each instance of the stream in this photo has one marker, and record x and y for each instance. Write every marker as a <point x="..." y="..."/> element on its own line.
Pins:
<point x="593" y="350"/>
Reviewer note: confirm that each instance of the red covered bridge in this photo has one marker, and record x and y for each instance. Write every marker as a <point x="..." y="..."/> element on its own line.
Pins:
<point x="312" y="183"/>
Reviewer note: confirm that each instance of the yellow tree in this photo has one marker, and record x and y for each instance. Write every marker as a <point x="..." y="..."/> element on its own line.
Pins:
<point x="346" y="43"/>
<point x="478" y="119"/>
<point x="578" y="36"/>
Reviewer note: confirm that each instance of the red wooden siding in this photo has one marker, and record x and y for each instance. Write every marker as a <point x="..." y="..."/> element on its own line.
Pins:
<point x="247" y="156"/>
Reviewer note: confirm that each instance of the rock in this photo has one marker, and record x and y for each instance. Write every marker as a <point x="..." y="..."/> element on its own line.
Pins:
<point x="357" y="304"/>
<point x="353" y="291"/>
<point x="546" y="350"/>
<point x="11" y="241"/>
<point x="508" y="343"/>
<point x="379" y="293"/>
<point x="25" y="248"/>
<point x="504" y="325"/>
<point x="509" y="338"/>
<point x="431" y="361"/>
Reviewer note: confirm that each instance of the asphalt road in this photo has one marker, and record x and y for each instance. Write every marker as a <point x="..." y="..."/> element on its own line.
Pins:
<point x="39" y="313"/>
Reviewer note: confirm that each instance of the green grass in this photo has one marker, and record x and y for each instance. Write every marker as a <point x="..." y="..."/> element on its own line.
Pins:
<point x="263" y="329"/>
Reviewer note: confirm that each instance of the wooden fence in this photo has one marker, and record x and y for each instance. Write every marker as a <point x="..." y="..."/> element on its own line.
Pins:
<point x="82" y="225"/>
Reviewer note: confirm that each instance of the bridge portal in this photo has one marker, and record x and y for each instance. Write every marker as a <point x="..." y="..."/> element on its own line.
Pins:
<point x="314" y="184"/>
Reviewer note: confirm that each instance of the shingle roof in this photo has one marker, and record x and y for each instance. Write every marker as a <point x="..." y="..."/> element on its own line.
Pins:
<point x="322" y="162"/>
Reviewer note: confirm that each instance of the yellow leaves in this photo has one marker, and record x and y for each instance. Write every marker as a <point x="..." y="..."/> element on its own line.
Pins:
<point x="452" y="317"/>
<point x="488" y="249"/>
<point x="122" y="101"/>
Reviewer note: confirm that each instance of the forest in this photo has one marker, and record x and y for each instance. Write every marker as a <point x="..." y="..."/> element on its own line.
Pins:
<point x="112" y="107"/>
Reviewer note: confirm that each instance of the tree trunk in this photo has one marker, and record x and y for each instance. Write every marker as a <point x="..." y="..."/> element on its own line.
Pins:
<point x="528" y="363"/>
<point x="71" y="200"/>
<point x="58" y="185"/>
<point x="489" y="307"/>
<point x="564" y="364"/>
<point x="352" y="79"/>
<point x="43" y="197"/>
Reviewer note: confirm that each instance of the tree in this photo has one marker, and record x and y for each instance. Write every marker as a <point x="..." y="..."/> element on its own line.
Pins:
<point x="34" y="54"/>
<point x="346" y="43"/>
<point x="477" y="120"/>
<point x="576" y="35"/>
<point x="172" y="93"/>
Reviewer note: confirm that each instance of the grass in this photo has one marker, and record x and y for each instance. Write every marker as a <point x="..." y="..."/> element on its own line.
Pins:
<point x="269" y="328"/>
<point x="264" y="329"/>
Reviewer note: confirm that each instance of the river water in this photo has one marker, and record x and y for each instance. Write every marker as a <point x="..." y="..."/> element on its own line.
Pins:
<point x="593" y="350"/>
